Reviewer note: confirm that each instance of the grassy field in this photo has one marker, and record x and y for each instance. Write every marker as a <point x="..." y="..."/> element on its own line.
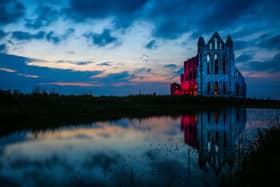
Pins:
<point x="40" y="111"/>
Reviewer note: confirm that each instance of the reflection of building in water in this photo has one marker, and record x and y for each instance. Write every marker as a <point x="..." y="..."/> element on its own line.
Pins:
<point x="188" y="125"/>
<point x="216" y="136"/>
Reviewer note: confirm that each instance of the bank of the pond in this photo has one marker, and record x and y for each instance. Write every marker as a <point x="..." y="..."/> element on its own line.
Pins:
<point x="261" y="167"/>
<point x="40" y="111"/>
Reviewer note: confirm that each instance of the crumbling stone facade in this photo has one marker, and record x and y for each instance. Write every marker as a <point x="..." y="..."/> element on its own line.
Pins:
<point x="212" y="71"/>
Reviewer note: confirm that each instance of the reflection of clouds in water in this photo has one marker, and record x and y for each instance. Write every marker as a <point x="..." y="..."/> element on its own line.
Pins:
<point x="104" y="155"/>
<point x="147" y="152"/>
<point x="95" y="167"/>
<point x="152" y="154"/>
<point x="261" y="118"/>
<point x="105" y="135"/>
<point x="169" y="171"/>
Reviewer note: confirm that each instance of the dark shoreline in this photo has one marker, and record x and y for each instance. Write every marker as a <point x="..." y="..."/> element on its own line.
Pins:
<point x="37" y="111"/>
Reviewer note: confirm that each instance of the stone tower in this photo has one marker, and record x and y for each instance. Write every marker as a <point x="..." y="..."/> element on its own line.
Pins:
<point x="216" y="73"/>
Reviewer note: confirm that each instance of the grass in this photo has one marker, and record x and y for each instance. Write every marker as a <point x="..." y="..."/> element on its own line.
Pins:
<point x="261" y="167"/>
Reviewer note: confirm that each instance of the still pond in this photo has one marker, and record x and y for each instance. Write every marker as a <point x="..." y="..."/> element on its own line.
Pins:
<point x="197" y="149"/>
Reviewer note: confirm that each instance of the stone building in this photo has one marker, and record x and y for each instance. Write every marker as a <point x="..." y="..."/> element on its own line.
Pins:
<point x="212" y="71"/>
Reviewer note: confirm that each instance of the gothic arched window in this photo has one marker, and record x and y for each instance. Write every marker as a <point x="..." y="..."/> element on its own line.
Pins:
<point x="215" y="43"/>
<point x="208" y="63"/>
<point x="216" y="64"/>
<point x="208" y="57"/>
<point x="216" y="88"/>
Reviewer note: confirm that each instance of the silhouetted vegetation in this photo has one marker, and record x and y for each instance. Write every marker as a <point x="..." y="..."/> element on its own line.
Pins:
<point x="41" y="110"/>
<point x="261" y="167"/>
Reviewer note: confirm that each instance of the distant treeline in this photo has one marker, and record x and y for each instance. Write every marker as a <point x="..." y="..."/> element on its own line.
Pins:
<point x="40" y="110"/>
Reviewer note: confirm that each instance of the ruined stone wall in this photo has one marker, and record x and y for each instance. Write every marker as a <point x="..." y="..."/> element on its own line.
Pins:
<point x="217" y="75"/>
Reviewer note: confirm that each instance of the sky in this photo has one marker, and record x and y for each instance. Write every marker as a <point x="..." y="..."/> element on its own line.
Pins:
<point x="129" y="47"/>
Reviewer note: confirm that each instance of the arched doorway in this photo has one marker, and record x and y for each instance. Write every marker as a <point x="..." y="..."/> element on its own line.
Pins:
<point x="216" y="88"/>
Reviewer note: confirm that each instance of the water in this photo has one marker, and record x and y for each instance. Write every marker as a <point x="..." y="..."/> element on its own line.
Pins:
<point x="189" y="150"/>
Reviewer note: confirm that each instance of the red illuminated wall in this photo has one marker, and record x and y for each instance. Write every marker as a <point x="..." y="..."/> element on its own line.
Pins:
<point x="175" y="89"/>
<point x="188" y="79"/>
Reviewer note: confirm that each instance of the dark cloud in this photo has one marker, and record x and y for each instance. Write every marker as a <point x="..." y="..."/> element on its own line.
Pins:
<point x="272" y="65"/>
<point x="83" y="63"/>
<point x="3" y="48"/>
<point x="10" y="11"/>
<point x="243" y="58"/>
<point x="17" y="63"/>
<point x="50" y="36"/>
<point x="55" y="38"/>
<point x="151" y="45"/>
<point x="179" y="71"/>
<point x="241" y="44"/>
<point x="172" y="19"/>
<point x="20" y="35"/>
<point x="68" y="32"/>
<point x="124" y="11"/>
<point x="103" y="39"/>
<point x="143" y="70"/>
<point x="224" y="13"/>
<point x="270" y="42"/>
<point x="44" y="17"/>
<point x="116" y="77"/>
<point x="105" y="64"/>
<point x="171" y="66"/>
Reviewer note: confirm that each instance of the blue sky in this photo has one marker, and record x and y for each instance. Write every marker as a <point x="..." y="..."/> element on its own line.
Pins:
<point x="128" y="47"/>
